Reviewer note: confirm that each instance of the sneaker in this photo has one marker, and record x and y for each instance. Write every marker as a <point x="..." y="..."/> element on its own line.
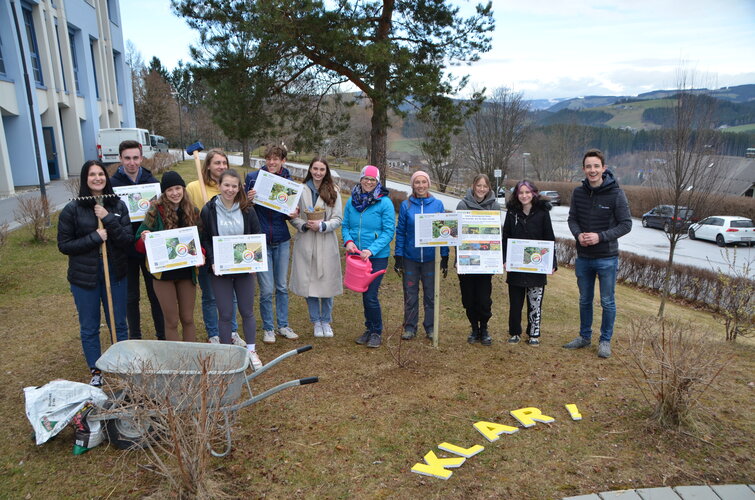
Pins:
<point x="287" y="332"/>
<point x="318" y="330"/>
<point x="236" y="340"/>
<point x="375" y="340"/>
<point x="214" y="340"/>
<point x="604" y="349"/>
<point x="577" y="343"/>
<point x="514" y="339"/>
<point x="533" y="341"/>
<point x="327" y="330"/>
<point x="268" y="337"/>
<point x="485" y="337"/>
<point x="408" y="335"/>
<point x="363" y="339"/>
<point x="96" y="378"/>
<point x="255" y="360"/>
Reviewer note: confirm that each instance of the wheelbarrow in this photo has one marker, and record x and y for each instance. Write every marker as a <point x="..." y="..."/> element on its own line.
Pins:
<point x="164" y="371"/>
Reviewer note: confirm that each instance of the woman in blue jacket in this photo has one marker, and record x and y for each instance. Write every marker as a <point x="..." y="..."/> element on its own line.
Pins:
<point x="417" y="264"/>
<point x="368" y="226"/>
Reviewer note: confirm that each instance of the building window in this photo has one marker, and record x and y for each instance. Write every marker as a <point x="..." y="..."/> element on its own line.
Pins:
<point x="60" y="56"/>
<point x="31" y="36"/>
<point x="117" y="71"/>
<point x="94" y="68"/>
<point x="2" y="61"/>
<point x="74" y="61"/>
<point x="112" y="11"/>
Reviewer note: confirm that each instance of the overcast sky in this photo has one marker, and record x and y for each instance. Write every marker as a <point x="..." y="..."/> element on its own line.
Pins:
<point x="555" y="48"/>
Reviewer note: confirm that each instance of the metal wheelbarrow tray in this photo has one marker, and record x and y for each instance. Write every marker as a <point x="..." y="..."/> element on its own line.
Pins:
<point x="166" y="371"/>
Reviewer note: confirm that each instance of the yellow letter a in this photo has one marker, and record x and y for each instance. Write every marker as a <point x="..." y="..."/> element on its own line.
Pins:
<point x="491" y="430"/>
<point x="528" y="416"/>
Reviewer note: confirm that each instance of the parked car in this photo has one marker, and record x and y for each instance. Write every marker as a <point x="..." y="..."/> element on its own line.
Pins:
<point x="724" y="229"/>
<point x="551" y="196"/>
<point x="662" y="217"/>
<point x="108" y="140"/>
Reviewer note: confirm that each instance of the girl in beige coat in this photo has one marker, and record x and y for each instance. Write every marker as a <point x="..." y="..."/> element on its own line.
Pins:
<point x="316" y="269"/>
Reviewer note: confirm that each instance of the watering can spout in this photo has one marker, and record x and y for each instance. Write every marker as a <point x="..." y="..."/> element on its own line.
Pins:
<point x="359" y="275"/>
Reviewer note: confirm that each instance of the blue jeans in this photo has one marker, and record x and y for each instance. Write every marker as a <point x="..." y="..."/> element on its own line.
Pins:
<point x="209" y="307"/>
<point x="88" y="306"/>
<point x="373" y="316"/>
<point x="275" y="279"/>
<point x="586" y="271"/>
<point x="320" y="309"/>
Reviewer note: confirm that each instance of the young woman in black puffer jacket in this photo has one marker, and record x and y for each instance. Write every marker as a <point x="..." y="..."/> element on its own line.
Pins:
<point x="527" y="218"/>
<point x="80" y="237"/>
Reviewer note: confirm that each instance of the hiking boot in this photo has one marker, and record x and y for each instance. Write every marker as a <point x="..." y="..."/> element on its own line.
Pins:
<point x="408" y="335"/>
<point x="327" y="330"/>
<point x="268" y="337"/>
<point x="363" y="339"/>
<point x="319" y="332"/>
<point x="287" y="332"/>
<point x="474" y="336"/>
<point x="375" y="340"/>
<point x="514" y="339"/>
<point x="96" y="378"/>
<point x="213" y="340"/>
<point x="485" y="337"/>
<point x="604" y="349"/>
<point x="236" y="340"/>
<point x="577" y="343"/>
<point x="533" y="341"/>
<point x="254" y="360"/>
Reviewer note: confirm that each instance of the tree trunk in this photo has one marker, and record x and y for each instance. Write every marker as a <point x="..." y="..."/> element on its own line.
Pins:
<point x="245" y="152"/>
<point x="379" y="138"/>
<point x="667" y="278"/>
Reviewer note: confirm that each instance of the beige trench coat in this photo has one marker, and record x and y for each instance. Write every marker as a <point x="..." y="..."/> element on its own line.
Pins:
<point x="316" y="267"/>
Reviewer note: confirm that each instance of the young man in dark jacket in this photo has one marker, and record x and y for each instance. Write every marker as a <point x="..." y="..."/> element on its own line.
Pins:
<point x="598" y="217"/>
<point x="131" y="173"/>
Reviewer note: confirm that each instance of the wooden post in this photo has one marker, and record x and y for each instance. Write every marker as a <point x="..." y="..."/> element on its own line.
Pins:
<point x="436" y="298"/>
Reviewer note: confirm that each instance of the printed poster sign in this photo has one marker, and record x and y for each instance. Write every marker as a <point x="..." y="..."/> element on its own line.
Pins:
<point x="432" y="230"/>
<point x="529" y="256"/>
<point x="138" y="198"/>
<point x="277" y="193"/>
<point x="173" y="249"/>
<point x="241" y="253"/>
<point x="480" y="245"/>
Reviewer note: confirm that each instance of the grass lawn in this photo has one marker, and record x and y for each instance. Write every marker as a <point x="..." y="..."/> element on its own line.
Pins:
<point x="358" y="432"/>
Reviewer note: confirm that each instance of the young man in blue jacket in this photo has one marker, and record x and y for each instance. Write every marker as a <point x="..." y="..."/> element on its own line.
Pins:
<point x="131" y="173"/>
<point x="278" y="238"/>
<point x="598" y="217"/>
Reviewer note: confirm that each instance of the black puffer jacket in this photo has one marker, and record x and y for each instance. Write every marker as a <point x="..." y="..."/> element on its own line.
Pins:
<point x="78" y="238"/>
<point x="603" y="210"/>
<point x="535" y="226"/>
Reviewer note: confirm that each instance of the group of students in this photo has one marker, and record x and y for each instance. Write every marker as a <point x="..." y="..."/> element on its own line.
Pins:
<point x="368" y="224"/>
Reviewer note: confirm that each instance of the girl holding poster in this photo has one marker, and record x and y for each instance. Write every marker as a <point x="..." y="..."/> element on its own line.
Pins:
<point x="226" y="214"/>
<point x="414" y="264"/>
<point x="176" y="288"/>
<point x="316" y="269"/>
<point x="476" y="289"/>
<point x="369" y="222"/>
<point x="81" y="238"/>
<point x="527" y="218"/>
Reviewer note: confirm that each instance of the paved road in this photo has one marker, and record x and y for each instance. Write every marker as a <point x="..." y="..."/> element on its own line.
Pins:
<point x="642" y="241"/>
<point x="713" y="492"/>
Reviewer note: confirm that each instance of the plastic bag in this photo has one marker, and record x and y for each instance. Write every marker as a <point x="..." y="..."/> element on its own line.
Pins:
<point x="87" y="434"/>
<point x="51" y="407"/>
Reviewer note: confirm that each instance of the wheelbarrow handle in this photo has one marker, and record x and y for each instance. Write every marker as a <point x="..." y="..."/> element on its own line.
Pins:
<point x="308" y="380"/>
<point x="303" y="349"/>
<point x="277" y="360"/>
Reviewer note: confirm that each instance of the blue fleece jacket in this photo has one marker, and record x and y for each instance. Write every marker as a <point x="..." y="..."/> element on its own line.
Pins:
<point x="405" y="230"/>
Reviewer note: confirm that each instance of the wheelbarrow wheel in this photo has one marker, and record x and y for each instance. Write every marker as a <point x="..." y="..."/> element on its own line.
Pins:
<point x="124" y="432"/>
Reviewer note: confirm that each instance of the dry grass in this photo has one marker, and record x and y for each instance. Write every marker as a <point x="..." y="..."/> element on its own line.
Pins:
<point x="359" y="431"/>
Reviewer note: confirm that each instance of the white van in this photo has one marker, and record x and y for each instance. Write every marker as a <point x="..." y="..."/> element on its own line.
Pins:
<point x="159" y="143"/>
<point x="109" y="139"/>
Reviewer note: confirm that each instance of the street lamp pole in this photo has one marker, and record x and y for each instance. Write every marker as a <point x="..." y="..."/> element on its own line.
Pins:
<point x="524" y="164"/>
<point x="180" y="126"/>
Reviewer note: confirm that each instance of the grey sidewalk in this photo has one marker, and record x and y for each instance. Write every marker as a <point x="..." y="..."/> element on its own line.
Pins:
<point x="57" y="195"/>
<point x="714" y="492"/>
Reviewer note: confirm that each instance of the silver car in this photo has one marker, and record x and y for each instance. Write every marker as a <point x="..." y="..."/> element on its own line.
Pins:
<point x="724" y="229"/>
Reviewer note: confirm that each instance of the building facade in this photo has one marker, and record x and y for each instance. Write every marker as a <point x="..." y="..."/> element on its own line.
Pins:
<point x="63" y="76"/>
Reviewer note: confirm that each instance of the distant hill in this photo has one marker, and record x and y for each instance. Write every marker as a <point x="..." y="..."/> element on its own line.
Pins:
<point x="587" y="102"/>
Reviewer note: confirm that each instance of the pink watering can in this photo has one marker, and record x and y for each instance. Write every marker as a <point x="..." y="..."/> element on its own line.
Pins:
<point x="359" y="275"/>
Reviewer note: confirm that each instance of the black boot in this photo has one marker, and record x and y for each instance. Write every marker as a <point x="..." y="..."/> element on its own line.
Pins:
<point x="484" y="336"/>
<point x="474" y="337"/>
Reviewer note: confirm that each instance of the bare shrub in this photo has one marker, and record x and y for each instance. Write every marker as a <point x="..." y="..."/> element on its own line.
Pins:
<point x="737" y="312"/>
<point x="676" y="366"/>
<point x="73" y="184"/>
<point x="160" y="162"/>
<point x="34" y="212"/>
<point x="397" y="197"/>
<point x="180" y="422"/>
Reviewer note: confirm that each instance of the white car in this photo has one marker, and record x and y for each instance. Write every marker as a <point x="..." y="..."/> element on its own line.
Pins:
<point x="724" y="229"/>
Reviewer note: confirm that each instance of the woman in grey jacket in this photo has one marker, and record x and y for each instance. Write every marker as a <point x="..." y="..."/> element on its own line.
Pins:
<point x="476" y="289"/>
